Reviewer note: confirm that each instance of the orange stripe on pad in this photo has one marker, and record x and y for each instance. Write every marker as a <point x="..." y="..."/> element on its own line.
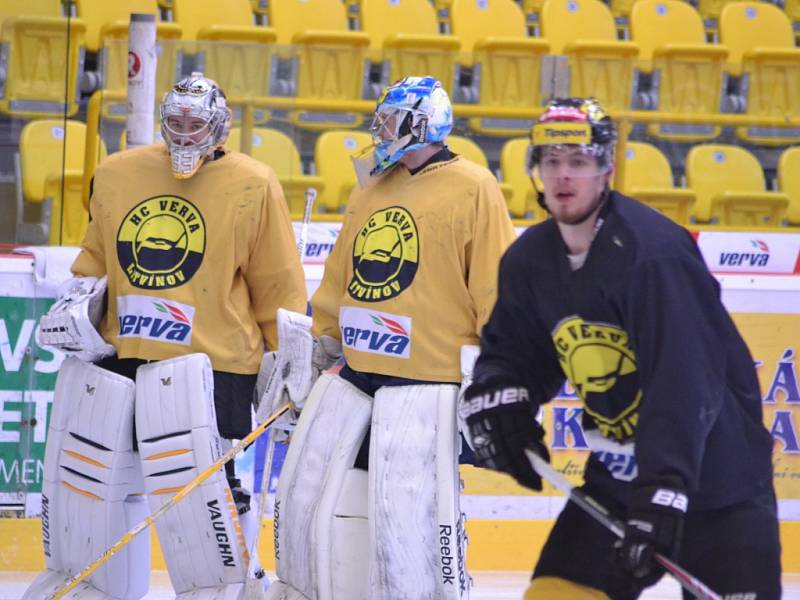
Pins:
<point x="81" y="492"/>
<point x="85" y="459"/>
<point x="167" y="454"/>
<point x="172" y="490"/>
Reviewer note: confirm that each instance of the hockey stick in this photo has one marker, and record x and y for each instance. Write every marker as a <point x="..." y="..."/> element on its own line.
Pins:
<point x="311" y="197"/>
<point x="127" y="537"/>
<point x="617" y="527"/>
<point x="253" y="588"/>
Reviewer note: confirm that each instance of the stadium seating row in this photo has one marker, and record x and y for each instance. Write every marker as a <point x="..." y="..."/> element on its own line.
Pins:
<point x="725" y="183"/>
<point x="308" y="52"/>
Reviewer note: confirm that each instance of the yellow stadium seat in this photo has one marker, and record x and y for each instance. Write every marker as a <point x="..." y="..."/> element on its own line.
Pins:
<point x="514" y="167"/>
<point x="231" y="49"/>
<point x="111" y="19"/>
<point x="467" y="148"/>
<point x="789" y="182"/>
<point x="328" y="58"/>
<point x="506" y="63"/>
<point x="648" y="178"/>
<point x="762" y="52"/>
<point x="472" y="151"/>
<point x="600" y="65"/>
<point x="730" y="188"/>
<point x="40" y="53"/>
<point x="276" y="149"/>
<point x="51" y="174"/>
<point x="406" y="35"/>
<point x="107" y="26"/>
<point x="687" y="71"/>
<point x="30" y="8"/>
<point x="332" y="153"/>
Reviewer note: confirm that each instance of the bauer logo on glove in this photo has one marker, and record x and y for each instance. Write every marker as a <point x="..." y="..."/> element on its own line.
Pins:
<point x="500" y="425"/>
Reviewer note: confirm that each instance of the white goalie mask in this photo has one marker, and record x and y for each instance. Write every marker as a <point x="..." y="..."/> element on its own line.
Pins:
<point x="195" y="121"/>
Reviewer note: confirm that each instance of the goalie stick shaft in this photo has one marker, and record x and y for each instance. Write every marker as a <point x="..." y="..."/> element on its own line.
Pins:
<point x="136" y="530"/>
<point x="253" y="588"/>
<point x="311" y="197"/>
<point x="601" y="514"/>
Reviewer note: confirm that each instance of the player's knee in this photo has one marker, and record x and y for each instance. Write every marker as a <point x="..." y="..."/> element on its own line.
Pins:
<point x="555" y="588"/>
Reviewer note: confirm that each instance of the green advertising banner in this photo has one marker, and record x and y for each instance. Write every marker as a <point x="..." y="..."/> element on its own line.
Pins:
<point x="27" y="380"/>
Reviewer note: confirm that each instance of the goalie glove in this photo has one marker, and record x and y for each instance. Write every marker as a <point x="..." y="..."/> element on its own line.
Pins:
<point x="654" y="524"/>
<point x="289" y="373"/>
<point x="71" y="323"/>
<point x="500" y="425"/>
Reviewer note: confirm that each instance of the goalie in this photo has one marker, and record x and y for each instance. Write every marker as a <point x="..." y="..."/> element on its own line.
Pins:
<point x="188" y="255"/>
<point x="368" y="499"/>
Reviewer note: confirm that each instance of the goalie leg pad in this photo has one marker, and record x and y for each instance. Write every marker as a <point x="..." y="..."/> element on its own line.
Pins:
<point x="317" y="490"/>
<point x="92" y="488"/>
<point x="416" y="526"/>
<point x="281" y="591"/>
<point x="176" y="426"/>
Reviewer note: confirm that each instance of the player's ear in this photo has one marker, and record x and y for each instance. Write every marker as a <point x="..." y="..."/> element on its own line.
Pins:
<point x="610" y="174"/>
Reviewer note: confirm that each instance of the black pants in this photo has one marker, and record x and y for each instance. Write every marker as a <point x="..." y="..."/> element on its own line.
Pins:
<point x="233" y="396"/>
<point x="733" y="550"/>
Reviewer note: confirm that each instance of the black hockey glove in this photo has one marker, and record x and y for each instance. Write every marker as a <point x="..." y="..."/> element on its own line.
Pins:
<point x="501" y="425"/>
<point x="654" y="524"/>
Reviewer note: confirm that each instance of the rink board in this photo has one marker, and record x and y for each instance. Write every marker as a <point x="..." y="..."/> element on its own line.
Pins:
<point x="760" y="277"/>
<point x="494" y="545"/>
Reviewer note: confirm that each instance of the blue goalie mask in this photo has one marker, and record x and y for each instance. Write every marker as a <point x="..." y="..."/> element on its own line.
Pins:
<point x="411" y="114"/>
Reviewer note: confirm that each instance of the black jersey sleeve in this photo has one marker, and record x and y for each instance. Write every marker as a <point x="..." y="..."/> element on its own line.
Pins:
<point x="516" y="348"/>
<point x="678" y="326"/>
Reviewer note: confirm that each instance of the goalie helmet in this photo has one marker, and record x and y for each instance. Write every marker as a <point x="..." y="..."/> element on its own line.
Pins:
<point x="195" y="121"/>
<point x="411" y="114"/>
<point x="570" y="122"/>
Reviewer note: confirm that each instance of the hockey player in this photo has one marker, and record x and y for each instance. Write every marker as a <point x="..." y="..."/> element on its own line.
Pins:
<point x="616" y="298"/>
<point x="198" y="252"/>
<point x="368" y="499"/>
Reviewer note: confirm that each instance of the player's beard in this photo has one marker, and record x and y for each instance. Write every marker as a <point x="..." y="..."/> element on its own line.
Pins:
<point x="582" y="217"/>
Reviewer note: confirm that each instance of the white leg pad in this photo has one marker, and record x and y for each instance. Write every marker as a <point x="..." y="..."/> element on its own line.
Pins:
<point x="92" y="488"/>
<point x="282" y="591"/>
<point x="313" y="546"/>
<point x="49" y="582"/>
<point x="416" y="526"/>
<point x="176" y="426"/>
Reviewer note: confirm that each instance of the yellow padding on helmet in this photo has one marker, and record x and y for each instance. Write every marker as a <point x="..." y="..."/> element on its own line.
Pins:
<point x="555" y="588"/>
<point x="561" y="132"/>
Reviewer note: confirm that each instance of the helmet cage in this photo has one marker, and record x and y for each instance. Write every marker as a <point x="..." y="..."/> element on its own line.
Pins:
<point x="194" y="98"/>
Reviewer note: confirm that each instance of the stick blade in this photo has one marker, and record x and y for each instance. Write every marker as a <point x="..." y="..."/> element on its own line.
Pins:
<point x="547" y="472"/>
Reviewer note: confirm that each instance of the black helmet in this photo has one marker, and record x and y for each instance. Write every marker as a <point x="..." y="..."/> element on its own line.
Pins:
<point x="575" y="121"/>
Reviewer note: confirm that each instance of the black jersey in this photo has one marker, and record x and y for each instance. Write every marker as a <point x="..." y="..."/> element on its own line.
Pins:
<point x="642" y="335"/>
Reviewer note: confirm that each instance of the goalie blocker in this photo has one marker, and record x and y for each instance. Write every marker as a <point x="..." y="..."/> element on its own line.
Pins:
<point x="332" y="519"/>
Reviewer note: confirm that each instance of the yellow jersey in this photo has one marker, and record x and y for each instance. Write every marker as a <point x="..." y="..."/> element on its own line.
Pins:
<point x="194" y="265"/>
<point x="413" y="274"/>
